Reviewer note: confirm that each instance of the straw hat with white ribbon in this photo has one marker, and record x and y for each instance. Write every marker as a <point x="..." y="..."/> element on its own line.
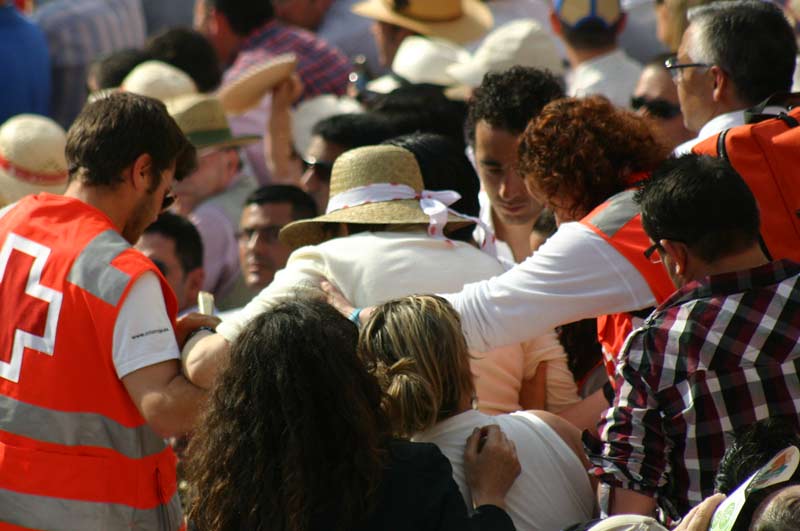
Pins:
<point x="31" y="157"/>
<point x="377" y="185"/>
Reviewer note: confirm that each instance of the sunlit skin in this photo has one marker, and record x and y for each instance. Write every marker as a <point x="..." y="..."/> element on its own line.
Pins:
<point x="215" y="171"/>
<point x="148" y="206"/>
<point x="656" y="83"/>
<point x="261" y="254"/>
<point x="695" y="88"/>
<point x="161" y="249"/>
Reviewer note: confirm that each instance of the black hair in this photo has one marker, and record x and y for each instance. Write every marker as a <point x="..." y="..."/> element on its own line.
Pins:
<point x="110" y="70"/>
<point x="188" y="243"/>
<point x="303" y="205"/>
<point x="189" y="51"/>
<point x="111" y="133"/>
<point x="702" y="202"/>
<point x="444" y="166"/>
<point x="591" y="35"/>
<point x="768" y="34"/>
<point x="244" y="16"/>
<point x="510" y="99"/>
<point x="354" y="130"/>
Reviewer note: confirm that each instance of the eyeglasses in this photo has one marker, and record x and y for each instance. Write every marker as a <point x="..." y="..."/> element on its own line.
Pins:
<point x="675" y="68"/>
<point x="657" y="107"/>
<point x="268" y="234"/>
<point x="320" y="168"/>
<point x="651" y="254"/>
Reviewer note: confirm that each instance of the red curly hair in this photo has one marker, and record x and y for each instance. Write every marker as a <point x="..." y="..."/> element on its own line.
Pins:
<point x="580" y="151"/>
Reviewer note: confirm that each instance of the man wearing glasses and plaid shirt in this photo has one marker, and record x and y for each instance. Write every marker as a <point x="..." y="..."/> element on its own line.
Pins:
<point x="720" y="354"/>
<point x="733" y="56"/>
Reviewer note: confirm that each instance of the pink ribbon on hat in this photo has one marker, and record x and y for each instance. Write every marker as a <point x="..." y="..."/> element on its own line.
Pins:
<point x="435" y="204"/>
<point x="42" y="178"/>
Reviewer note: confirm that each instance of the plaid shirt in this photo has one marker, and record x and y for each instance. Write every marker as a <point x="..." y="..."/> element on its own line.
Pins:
<point x="716" y="356"/>
<point x="322" y="68"/>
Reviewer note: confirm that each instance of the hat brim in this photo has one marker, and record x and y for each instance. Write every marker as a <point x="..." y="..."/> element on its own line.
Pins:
<point x="246" y="91"/>
<point x="402" y="212"/>
<point x="13" y="189"/>
<point x="220" y="139"/>
<point x="476" y="21"/>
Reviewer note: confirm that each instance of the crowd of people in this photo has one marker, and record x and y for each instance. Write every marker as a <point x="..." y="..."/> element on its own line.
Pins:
<point x="400" y="264"/>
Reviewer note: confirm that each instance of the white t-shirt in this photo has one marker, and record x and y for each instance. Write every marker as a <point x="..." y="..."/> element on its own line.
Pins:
<point x="574" y="275"/>
<point x="143" y="333"/>
<point x="553" y="489"/>
<point x="613" y="75"/>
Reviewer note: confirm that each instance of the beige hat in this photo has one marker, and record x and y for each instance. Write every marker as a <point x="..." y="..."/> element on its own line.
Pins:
<point x="421" y="60"/>
<point x="362" y="167"/>
<point x="460" y="21"/>
<point x="31" y="157"/>
<point x="247" y="90"/>
<point x="522" y="42"/>
<point x="202" y="119"/>
<point x="312" y="110"/>
<point x="158" y="80"/>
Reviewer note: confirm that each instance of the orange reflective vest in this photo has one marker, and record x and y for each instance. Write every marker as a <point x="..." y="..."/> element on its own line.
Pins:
<point x="75" y="453"/>
<point x="619" y="223"/>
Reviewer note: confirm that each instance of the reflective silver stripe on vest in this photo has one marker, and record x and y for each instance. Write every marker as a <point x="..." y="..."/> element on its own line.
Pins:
<point x="93" y="271"/>
<point x="77" y="429"/>
<point x="59" y="514"/>
<point x="621" y="209"/>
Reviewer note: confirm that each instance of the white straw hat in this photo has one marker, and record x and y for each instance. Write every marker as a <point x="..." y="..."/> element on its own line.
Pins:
<point x="158" y="80"/>
<point x="31" y="157"/>
<point x="247" y="90"/>
<point x="522" y="42"/>
<point x="312" y="110"/>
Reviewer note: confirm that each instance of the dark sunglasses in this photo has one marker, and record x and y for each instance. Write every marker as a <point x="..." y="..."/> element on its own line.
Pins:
<point x="657" y="107"/>
<point x="167" y="202"/>
<point x="320" y="168"/>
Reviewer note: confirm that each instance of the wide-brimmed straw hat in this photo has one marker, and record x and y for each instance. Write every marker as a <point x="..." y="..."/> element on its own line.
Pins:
<point x="359" y="168"/>
<point x="247" y="90"/>
<point x="158" y="80"/>
<point x="202" y="119"/>
<point x="31" y="157"/>
<point x="460" y="21"/>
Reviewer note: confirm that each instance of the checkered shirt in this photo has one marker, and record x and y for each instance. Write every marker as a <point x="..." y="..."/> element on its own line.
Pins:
<point x="322" y="68"/>
<point x="717" y="356"/>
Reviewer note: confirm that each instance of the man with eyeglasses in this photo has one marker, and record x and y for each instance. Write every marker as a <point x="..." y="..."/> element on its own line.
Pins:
<point x="733" y="55"/>
<point x="718" y="355"/>
<point x="90" y="379"/>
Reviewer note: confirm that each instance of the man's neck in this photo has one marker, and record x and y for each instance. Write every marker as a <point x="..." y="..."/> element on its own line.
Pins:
<point x="750" y="258"/>
<point x="112" y="205"/>
<point x="518" y="237"/>
<point x="577" y="57"/>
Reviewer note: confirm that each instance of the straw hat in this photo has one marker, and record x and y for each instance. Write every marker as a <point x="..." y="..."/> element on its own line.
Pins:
<point x="361" y="167"/>
<point x="421" y="60"/>
<point x="315" y="109"/>
<point x="247" y="90"/>
<point x="202" y="119"/>
<point x="31" y="157"/>
<point x="576" y="13"/>
<point x="522" y="42"/>
<point x="620" y="522"/>
<point x="460" y="21"/>
<point x="158" y="80"/>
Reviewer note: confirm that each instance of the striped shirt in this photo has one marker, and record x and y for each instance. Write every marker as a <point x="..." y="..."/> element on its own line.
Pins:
<point x="717" y="356"/>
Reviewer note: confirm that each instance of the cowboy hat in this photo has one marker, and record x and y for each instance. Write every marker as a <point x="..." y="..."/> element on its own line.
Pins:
<point x="358" y="170"/>
<point x="158" y="80"/>
<point x="460" y="21"/>
<point x="31" y="157"/>
<point x="247" y="90"/>
<point x="202" y="119"/>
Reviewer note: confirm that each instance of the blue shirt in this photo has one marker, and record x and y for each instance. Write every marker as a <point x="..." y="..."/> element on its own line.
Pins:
<point x="25" y="64"/>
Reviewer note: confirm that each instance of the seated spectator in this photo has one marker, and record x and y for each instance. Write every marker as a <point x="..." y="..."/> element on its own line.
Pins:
<point x="717" y="356"/>
<point x="656" y="97"/>
<point x="381" y="246"/>
<point x="189" y="51"/>
<point x="266" y="211"/>
<point x="416" y="349"/>
<point x="109" y="71"/>
<point x="175" y="247"/>
<point x="294" y="438"/>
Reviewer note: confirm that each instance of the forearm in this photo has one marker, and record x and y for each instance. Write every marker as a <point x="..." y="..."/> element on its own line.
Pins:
<point x="279" y="153"/>
<point x="174" y="409"/>
<point x="204" y="360"/>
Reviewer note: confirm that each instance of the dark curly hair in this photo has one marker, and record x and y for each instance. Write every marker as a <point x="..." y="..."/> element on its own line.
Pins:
<point x="293" y="434"/>
<point x="509" y="100"/>
<point x="579" y="152"/>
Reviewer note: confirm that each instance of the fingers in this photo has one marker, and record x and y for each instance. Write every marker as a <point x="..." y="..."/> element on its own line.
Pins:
<point x="471" y="450"/>
<point x="699" y="518"/>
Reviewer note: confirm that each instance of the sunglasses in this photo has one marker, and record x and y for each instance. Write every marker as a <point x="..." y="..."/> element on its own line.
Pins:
<point x="656" y="107"/>
<point x="320" y="168"/>
<point x="167" y="202"/>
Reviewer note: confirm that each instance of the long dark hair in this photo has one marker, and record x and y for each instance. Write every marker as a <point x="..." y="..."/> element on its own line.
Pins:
<point x="293" y="435"/>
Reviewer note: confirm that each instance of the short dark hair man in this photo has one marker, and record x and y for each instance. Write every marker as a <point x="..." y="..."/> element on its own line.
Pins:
<point x="499" y="111"/>
<point x="190" y="51"/>
<point x="175" y="247"/>
<point x="721" y="353"/>
<point x="88" y="348"/>
<point x="732" y="56"/>
<point x="266" y="211"/>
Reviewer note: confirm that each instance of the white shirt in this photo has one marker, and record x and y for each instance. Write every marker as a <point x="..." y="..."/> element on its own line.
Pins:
<point x="553" y="489"/>
<point x="613" y="75"/>
<point x="502" y="251"/>
<point x="574" y="275"/>
<point x="717" y="125"/>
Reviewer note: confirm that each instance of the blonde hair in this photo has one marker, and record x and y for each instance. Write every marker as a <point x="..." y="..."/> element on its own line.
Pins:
<point x="416" y="349"/>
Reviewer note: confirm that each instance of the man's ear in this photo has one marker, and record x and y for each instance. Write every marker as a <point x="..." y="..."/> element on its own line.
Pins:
<point x="555" y="23"/>
<point x="722" y="84"/>
<point x="678" y="254"/>
<point x="194" y="281"/>
<point x="141" y="171"/>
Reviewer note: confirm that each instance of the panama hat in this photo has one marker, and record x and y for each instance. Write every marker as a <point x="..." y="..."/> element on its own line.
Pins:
<point x="522" y="42"/>
<point x="247" y="90"/>
<point x="158" y="80"/>
<point x="31" y="157"/>
<point x="384" y="167"/>
<point x="202" y="119"/>
<point x="306" y="115"/>
<point x="460" y="21"/>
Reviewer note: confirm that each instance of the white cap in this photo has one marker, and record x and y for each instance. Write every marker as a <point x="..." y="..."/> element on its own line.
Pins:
<point x="311" y="111"/>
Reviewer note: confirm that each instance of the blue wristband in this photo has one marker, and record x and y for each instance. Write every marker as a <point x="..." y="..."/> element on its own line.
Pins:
<point x="354" y="317"/>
